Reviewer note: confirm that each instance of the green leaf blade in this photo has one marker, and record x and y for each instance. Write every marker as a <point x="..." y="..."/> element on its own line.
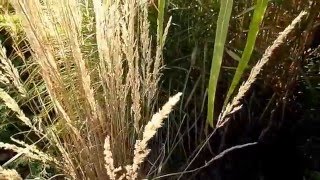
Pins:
<point x="254" y="28"/>
<point x="220" y="39"/>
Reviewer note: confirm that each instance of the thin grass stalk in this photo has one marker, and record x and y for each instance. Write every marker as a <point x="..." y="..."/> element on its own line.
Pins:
<point x="160" y="21"/>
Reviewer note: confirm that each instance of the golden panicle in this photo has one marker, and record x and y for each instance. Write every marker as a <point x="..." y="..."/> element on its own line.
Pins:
<point x="33" y="149"/>
<point x="30" y="151"/>
<point x="141" y="151"/>
<point x="8" y="73"/>
<point x="156" y="121"/>
<point x="9" y="174"/>
<point x="109" y="159"/>
<point x="12" y="104"/>
<point x="235" y="104"/>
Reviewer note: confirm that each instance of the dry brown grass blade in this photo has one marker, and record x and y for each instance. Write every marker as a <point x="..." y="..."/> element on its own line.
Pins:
<point x="235" y="104"/>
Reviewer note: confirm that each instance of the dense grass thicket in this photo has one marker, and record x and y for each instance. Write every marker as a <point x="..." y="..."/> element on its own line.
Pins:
<point x="166" y="89"/>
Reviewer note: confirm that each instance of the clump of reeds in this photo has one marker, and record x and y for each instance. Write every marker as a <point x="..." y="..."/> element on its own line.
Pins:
<point x="94" y="73"/>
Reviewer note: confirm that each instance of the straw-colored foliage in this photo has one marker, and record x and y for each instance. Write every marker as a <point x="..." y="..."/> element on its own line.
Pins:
<point x="95" y="73"/>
